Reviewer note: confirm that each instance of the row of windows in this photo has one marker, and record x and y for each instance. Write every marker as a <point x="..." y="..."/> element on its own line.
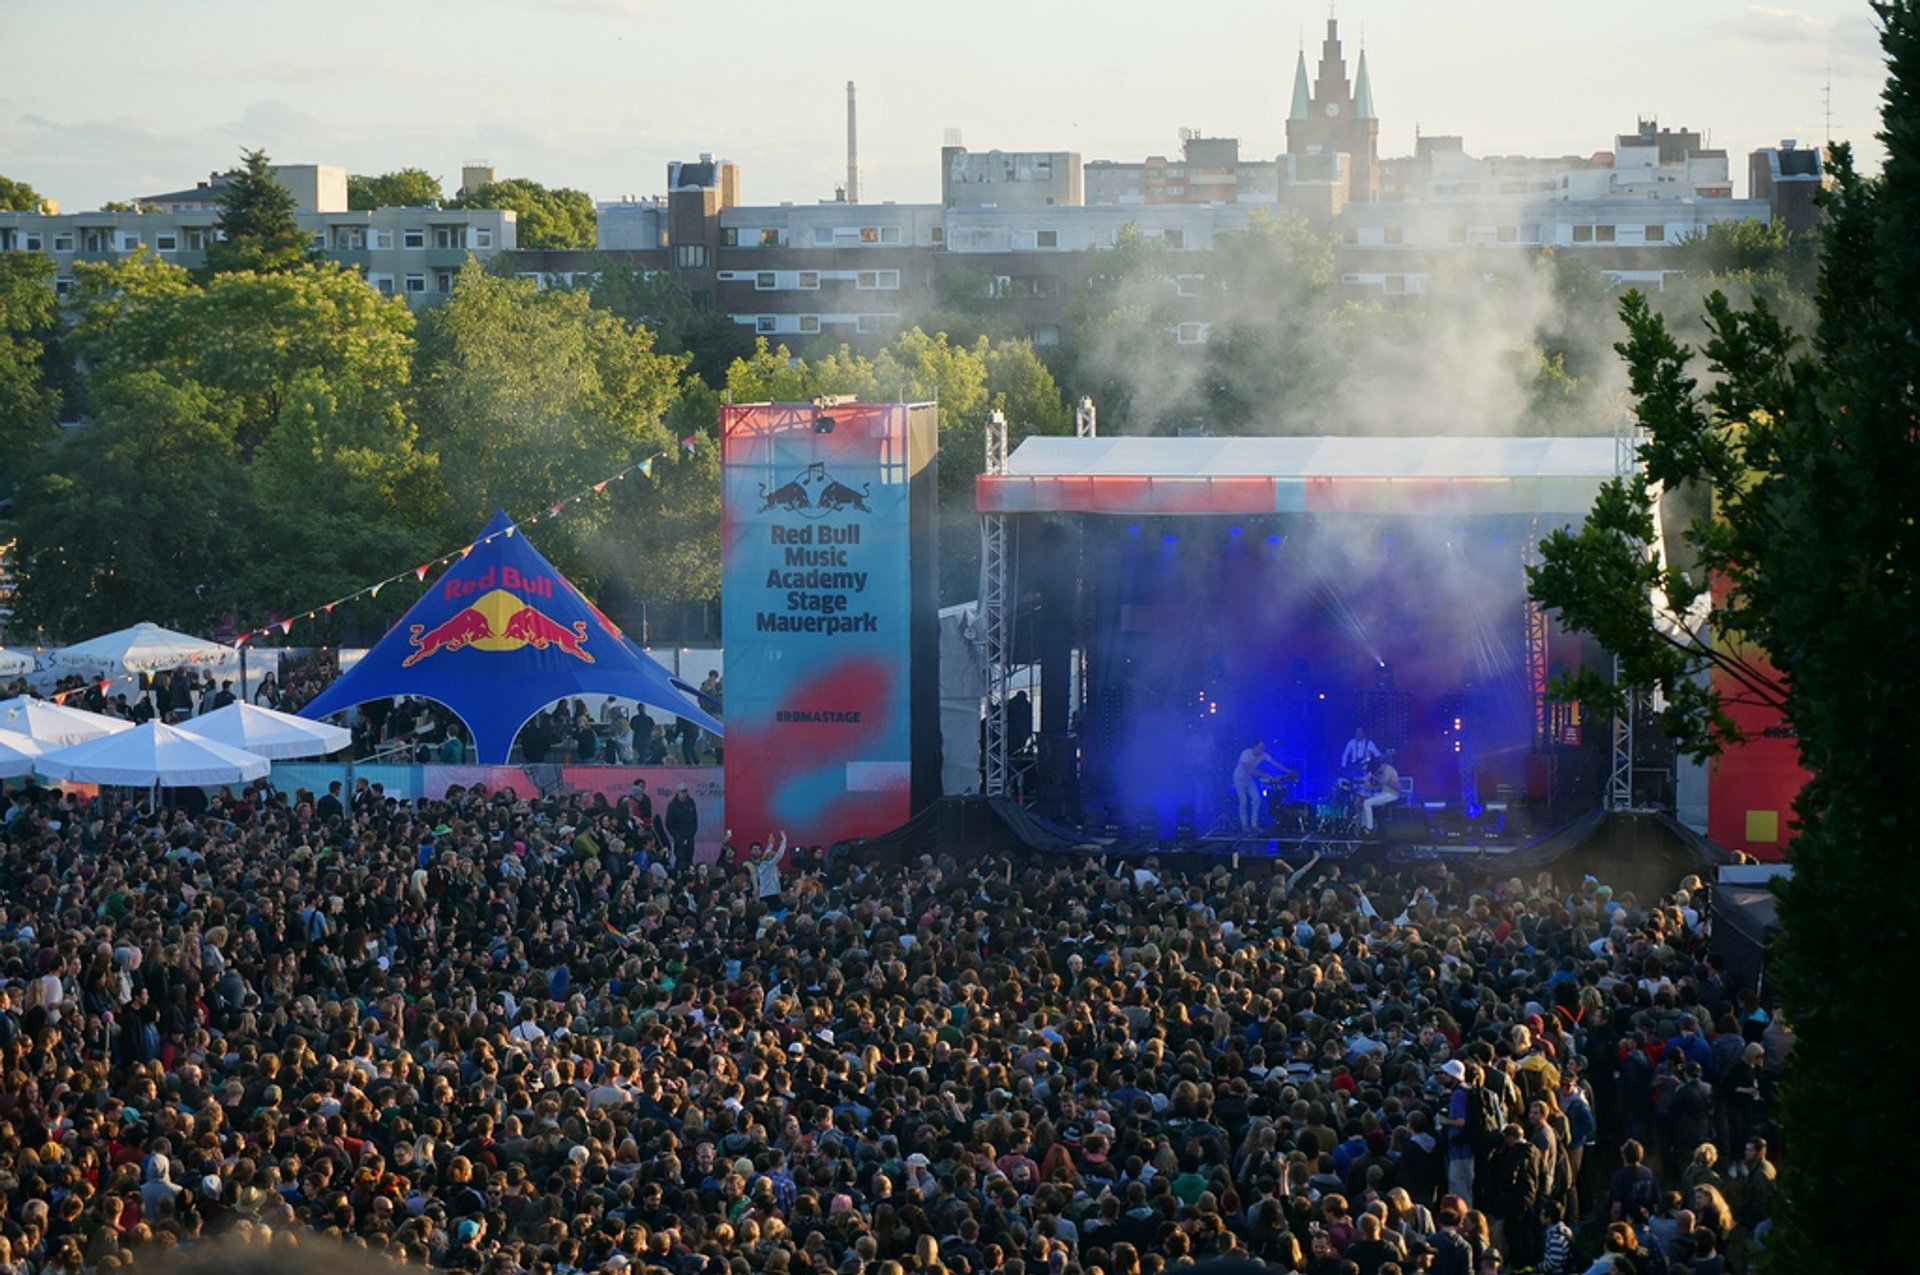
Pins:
<point x="444" y="238"/>
<point x="1653" y="232"/>
<point x="823" y="236"/>
<point x="809" y="280"/>
<point x="809" y="324"/>
<point x="196" y="239"/>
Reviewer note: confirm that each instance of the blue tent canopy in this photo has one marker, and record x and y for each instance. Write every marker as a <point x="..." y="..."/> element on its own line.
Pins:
<point x="499" y="637"/>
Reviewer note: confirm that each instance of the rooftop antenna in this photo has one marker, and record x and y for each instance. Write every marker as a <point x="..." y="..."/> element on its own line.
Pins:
<point x="1827" y="94"/>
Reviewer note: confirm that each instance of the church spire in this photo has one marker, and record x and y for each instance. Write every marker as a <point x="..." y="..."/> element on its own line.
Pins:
<point x="1362" y="90"/>
<point x="1302" y="97"/>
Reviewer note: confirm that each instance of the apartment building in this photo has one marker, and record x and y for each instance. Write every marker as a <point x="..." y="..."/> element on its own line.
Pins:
<point x="414" y="253"/>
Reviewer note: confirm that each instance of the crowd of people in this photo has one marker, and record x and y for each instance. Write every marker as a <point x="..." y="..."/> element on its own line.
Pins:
<point x="507" y="1034"/>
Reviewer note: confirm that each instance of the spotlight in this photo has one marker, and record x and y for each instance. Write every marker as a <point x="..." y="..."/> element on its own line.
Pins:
<point x="1273" y="540"/>
<point x="1233" y="531"/>
<point x="824" y="424"/>
<point x="1133" y="531"/>
<point x="1169" y="539"/>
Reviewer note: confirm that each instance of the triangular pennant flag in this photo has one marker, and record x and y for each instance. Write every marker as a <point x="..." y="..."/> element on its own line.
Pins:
<point x="555" y="511"/>
<point x="104" y="685"/>
<point x="510" y="531"/>
<point x="464" y="552"/>
<point x="646" y="467"/>
<point x="329" y="607"/>
<point x="61" y="698"/>
<point x="286" y="626"/>
<point x="374" y="592"/>
<point x="600" y="487"/>
<point x="420" y="572"/>
<point x="689" y="441"/>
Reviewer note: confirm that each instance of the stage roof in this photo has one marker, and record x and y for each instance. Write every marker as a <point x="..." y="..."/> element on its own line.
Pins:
<point x="1450" y="476"/>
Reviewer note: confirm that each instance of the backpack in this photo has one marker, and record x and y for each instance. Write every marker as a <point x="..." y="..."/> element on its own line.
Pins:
<point x="1486" y="1118"/>
<point x="1643" y="1192"/>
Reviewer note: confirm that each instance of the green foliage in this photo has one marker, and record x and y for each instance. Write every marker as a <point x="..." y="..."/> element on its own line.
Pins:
<point x="662" y="302"/>
<point x="29" y="403"/>
<point x="17" y="196"/>
<point x="1810" y="454"/>
<point x="402" y="188"/>
<point x="967" y="381"/>
<point x="545" y="218"/>
<point x="1747" y="260"/>
<point x="287" y="392"/>
<point x="529" y="394"/>
<point x="257" y="222"/>
<point x="135" y="517"/>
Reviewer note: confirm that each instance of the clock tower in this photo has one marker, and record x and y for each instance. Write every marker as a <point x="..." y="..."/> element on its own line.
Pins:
<point x="1330" y="116"/>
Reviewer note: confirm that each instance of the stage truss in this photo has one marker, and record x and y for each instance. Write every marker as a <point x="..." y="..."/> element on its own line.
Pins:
<point x="996" y="620"/>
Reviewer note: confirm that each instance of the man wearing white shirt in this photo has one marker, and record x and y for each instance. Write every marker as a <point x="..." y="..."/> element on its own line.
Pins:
<point x="1360" y="751"/>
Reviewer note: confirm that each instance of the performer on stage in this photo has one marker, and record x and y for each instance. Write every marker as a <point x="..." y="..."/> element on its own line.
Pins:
<point x="1360" y="752"/>
<point x="1246" y="781"/>
<point x="1386" y="791"/>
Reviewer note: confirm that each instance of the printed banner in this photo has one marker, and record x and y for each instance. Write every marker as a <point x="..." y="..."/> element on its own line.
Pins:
<point x="816" y="610"/>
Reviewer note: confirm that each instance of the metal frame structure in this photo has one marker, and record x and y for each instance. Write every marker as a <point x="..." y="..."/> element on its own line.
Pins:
<point x="996" y="623"/>
<point x="1619" y="793"/>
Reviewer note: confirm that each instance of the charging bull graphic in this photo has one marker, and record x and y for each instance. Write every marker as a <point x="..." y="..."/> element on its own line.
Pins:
<point x="814" y="493"/>
<point x="498" y="621"/>
<point x="790" y="496"/>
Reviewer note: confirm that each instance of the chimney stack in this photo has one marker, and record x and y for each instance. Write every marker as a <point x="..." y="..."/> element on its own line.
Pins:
<point x="853" y="150"/>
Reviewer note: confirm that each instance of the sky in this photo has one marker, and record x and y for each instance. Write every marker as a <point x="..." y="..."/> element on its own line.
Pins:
<point x="110" y="99"/>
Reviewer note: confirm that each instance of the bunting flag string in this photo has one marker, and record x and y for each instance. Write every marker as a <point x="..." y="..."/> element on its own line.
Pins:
<point x="419" y="573"/>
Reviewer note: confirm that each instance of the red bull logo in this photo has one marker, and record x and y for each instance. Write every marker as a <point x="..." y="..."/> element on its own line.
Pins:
<point x="498" y="621"/>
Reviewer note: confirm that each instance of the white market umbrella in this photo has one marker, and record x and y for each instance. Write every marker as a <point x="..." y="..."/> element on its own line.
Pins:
<point x="142" y="649"/>
<point x="273" y="735"/>
<point x="153" y="754"/>
<point x="18" y="754"/>
<point x="56" y="725"/>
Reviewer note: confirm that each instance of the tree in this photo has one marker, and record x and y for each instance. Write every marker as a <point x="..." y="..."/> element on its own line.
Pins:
<point x="259" y="231"/>
<point x="17" y="196"/>
<point x="402" y="188"/>
<point x="136" y="517"/>
<point x="1812" y="544"/>
<point x="556" y="218"/>
<point x="527" y="396"/>
<point x="29" y="406"/>
<point x="661" y="301"/>
<point x="302" y="378"/>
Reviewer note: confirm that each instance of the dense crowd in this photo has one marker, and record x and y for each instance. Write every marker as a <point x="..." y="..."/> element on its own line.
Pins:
<point x="509" y="1035"/>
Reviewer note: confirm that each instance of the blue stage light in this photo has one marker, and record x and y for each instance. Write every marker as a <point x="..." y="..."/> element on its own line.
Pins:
<point x="1233" y="531"/>
<point x="1475" y="810"/>
<point x="1133" y="530"/>
<point x="1169" y="539"/>
<point x="1273" y="540"/>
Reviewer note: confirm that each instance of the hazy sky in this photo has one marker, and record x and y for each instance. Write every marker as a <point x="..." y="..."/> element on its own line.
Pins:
<point x="106" y="99"/>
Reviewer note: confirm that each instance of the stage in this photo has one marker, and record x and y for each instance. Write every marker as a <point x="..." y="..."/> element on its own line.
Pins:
<point x="1183" y="598"/>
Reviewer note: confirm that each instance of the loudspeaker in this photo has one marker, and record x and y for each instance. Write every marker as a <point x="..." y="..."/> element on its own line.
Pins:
<point x="1406" y="830"/>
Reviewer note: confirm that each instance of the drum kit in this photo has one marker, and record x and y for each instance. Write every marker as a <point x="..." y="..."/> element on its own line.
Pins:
<point x="1336" y="817"/>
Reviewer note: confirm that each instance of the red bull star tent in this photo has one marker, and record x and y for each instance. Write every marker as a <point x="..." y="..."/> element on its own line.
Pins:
<point x="498" y="638"/>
